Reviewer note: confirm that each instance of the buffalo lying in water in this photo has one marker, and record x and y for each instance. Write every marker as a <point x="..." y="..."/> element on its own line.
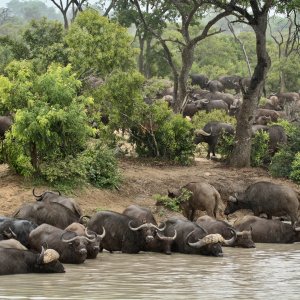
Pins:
<point x="15" y="261"/>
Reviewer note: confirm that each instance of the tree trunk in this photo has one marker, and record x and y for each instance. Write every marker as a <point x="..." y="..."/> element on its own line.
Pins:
<point x="34" y="156"/>
<point x="141" y="55"/>
<point x="240" y="156"/>
<point x="66" y="22"/>
<point x="282" y="82"/>
<point x="187" y="57"/>
<point x="147" y="64"/>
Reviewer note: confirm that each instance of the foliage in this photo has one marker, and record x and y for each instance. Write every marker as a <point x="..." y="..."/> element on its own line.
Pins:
<point x="163" y="134"/>
<point x="285" y="162"/>
<point x="280" y="165"/>
<point x="44" y="39"/>
<point x="99" y="46"/>
<point x="101" y="167"/>
<point x="120" y="98"/>
<point x="50" y="121"/>
<point x="259" y="149"/>
<point x="201" y="118"/>
<point x="173" y="203"/>
<point x="154" y="86"/>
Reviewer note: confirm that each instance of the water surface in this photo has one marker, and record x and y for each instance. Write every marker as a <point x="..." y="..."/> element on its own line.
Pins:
<point x="268" y="271"/>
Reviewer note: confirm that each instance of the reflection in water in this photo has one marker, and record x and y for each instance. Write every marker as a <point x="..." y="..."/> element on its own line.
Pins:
<point x="268" y="271"/>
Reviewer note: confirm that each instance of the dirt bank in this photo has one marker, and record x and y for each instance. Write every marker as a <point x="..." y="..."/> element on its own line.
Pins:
<point x="141" y="180"/>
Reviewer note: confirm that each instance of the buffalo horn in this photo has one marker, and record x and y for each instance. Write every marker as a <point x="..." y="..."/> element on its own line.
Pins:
<point x="231" y="241"/>
<point x="139" y="227"/>
<point x="69" y="240"/>
<point x="208" y="239"/>
<point x="37" y="196"/>
<point x="167" y="238"/>
<point x="202" y="132"/>
<point x="40" y="259"/>
<point x="50" y="255"/>
<point x="89" y="235"/>
<point x="10" y="234"/>
<point x="101" y="236"/>
<point x="158" y="228"/>
<point x="205" y="101"/>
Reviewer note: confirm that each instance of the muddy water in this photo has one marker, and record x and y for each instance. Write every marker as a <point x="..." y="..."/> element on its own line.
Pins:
<point x="268" y="271"/>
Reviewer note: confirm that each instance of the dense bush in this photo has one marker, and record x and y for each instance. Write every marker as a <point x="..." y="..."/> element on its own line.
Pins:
<point x="259" y="149"/>
<point x="280" y="165"/>
<point x="295" y="172"/>
<point x="163" y="134"/>
<point x="101" y="167"/>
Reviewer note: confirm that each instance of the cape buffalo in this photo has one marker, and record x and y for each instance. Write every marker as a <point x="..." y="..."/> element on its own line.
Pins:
<point x="231" y="82"/>
<point x="15" y="261"/>
<point x="193" y="239"/>
<point x="203" y="196"/>
<point x="199" y="79"/>
<point x="268" y="231"/>
<point x="5" y="123"/>
<point x="50" y="196"/>
<point x="94" y="240"/>
<point x="266" y="197"/>
<point x="211" y="225"/>
<point x="48" y="212"/>
<point x="211" y="133"/>
<point x="215" y="86"/>
<point x="18" y="229"/>
<point x="160" y="243"/>
<point x="70" y="246"/>
<point x="123" y="233"/>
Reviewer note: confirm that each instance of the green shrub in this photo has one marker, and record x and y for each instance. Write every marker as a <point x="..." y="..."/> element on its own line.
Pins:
<point x="280" y="165"/>
<point x="163" y="134"/>
<point x="101" y="167"/>
<point x="259" y="149"/>
<point x="173" y="203"/>
<point x="295" y="172"/>
<point x="201" y="118"/>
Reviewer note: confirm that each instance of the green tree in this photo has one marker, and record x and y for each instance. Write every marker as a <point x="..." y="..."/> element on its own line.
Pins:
<point x="98" y="46"/>
<point x="50" y="122"/>
<point x="45" y="41"/>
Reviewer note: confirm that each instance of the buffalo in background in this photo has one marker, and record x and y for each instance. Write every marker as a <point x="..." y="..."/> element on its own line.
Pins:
<point x="203" y="196"/>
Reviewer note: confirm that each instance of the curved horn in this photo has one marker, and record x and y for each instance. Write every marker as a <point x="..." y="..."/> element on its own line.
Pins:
<point x="40" y="259"/>
<point x="37" y="196"/>
<point x="101" y="236"/>
<point x="156" y="227"/>
<point x="208" y="239"/>
<point x="231" y="241"/>
<point x="69" y="240"/>
<point x="89" y="235"/>
<point x="10" y="233"/>
<point x="167" y="238"/>
<point x="205" y="101"/>
<point x="202" y="132"/>
<point x="139" y="227"/>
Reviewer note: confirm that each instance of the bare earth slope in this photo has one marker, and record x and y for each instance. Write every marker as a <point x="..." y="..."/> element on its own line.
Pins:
<point x="140" y="182"/>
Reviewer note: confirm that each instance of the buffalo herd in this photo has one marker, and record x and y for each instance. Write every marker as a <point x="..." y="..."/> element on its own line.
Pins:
<point x="44" y="234"/>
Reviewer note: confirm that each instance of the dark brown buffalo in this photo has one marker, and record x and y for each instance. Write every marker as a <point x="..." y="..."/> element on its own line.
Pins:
<point x="208" y="106"/>
<point x="268" y="231"/>
<point x="215" y="86"/>
<point x="17" y="229"/>
<point x="266" y="197"/>
<point x="211" y="225"/>
<point x="273" y="114"/>
<point x="56" y="197"/>
<point x="15" y="261"/>
<point x="123" y="233"/>
<point x="231" y="82"/>
<point x="47" y="212"/>
<point x="70" y="246"/>
<point x="193" y="239"/>
<point x="203" y="197"/>
<point x="199" y="79"/>
<point x="160" y="243"/>
<point x="94" y="240"/>
<point x="5" y="123"/>
<point x="211" y="133"/>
